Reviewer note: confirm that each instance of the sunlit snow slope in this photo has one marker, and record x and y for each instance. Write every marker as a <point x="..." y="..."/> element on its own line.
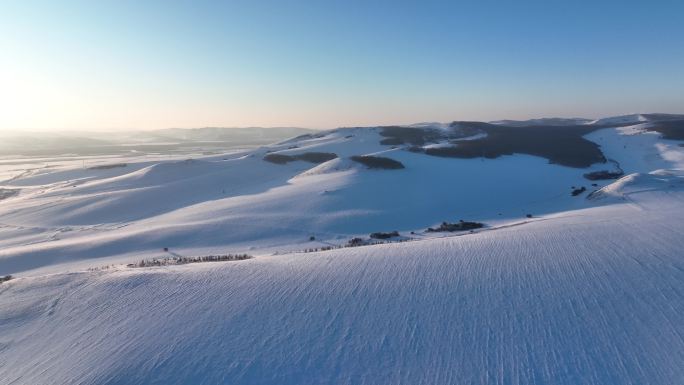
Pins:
<point x="590" y="290"/>
<point x="593" y="296"/>
<point x="242" y="202"/>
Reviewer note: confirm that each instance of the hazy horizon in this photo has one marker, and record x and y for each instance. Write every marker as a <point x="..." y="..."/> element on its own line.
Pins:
<point x="132" y="66"/>
<point x="105" y="130"/>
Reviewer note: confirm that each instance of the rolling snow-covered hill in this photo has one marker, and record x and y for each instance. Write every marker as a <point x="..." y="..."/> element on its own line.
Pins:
<point x="588" y="289"/>
<point x="493" y="174"/>
<point x="592" y="296"/>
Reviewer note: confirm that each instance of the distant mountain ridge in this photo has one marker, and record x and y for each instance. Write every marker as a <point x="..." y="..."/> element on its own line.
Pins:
<point x="542" y="122"/>
<point x="86" y="143"/>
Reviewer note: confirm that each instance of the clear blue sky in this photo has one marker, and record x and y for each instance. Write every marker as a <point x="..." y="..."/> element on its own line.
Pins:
<point x="152" y="64"/>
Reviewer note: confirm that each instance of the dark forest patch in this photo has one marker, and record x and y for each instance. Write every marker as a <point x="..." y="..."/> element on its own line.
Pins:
<point x="378" y="162"/>
<point x="279" y="158"/>
<point x="662" y="117"/>
<point x="577" y="191"/>
<point x="459" y="226"/>
<point x="311" y="157"/>
<point x="562" y="145"/>
<point x="383" y="235"/>
<point x="396" y="135"/>
<point x="670" y="129"/>
<point x="420" y="136"/>
<point x="316" y="157"/>
<point x="603" y="175"/>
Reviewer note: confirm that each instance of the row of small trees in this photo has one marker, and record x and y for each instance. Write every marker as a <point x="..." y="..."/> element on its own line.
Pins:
<point x="459" y="226"/>
<point x="324" y="248"/>
<point x="185" y="260"/>
<point x="386" y="237"/>
<point x="354" y="242"/>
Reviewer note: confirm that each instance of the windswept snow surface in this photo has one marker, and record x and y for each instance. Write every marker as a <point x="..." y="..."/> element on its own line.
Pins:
<point x="593" y="296"/>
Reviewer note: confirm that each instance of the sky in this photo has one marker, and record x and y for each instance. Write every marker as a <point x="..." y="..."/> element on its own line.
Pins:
<point x="122" y="64"/>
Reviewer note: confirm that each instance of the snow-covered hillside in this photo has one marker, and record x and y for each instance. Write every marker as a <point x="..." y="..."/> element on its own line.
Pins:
<point x="592" y="296"/>
<point x="576" y="278"/>
<point x="112" y="211"/>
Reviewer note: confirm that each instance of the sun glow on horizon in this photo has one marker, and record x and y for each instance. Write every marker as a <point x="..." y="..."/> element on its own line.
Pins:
<point x="116" y="65"/>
